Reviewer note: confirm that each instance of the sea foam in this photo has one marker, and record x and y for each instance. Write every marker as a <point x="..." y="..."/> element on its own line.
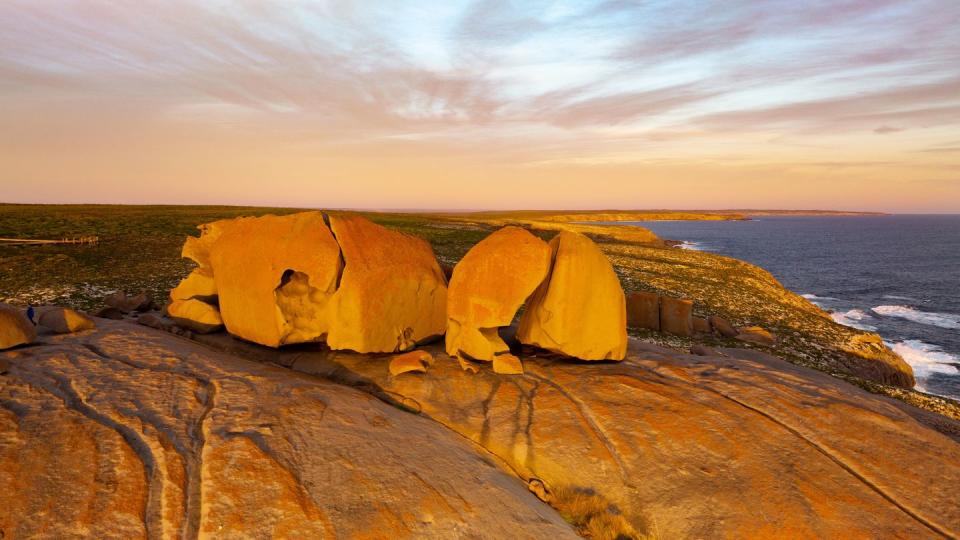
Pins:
<point x="943" y="320"/>
<point x="926" y="360"/>
<point x="854" y="319"/>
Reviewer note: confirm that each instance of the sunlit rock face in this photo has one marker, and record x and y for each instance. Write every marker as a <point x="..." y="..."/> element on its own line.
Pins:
<point x="275" y="276"/>
<point x="294" y="279"/>
<point x="392" y="294"/>
<point x="195" y="315"/>
<point x="488" y="286"/>
<point x="580" y="309"/>
<point x="15" y="328"/>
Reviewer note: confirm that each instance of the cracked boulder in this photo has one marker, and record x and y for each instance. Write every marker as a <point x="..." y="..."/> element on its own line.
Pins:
<point x="15" y="328"/>
<point x="392" y="294"/>
<point x="580" y="309"/>
<point x="297" y="278"/>
<point x="488" y="286"/>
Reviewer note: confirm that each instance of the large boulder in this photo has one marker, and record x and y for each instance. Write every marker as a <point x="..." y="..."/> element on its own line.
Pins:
<point x="488" y="286"/>
<point x="392" y="293"/>
<point x="643" y="310"/>
<point x="15" y="328"/>
<point x="676" y="316"/>
<point x="274" y="275"/>
<point x="65" y="320"/>
<point x="295" y="278"/>
<point x="580" y="309"/>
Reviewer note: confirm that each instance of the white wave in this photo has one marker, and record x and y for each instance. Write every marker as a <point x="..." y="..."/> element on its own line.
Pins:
<point x="926" y="360"/>
<point x="809" y="296"/>
<point x="854" y="319"/>
<point x="895" y="297"/>
<point x="693" y="246"/>
<point x="943" y="320"/>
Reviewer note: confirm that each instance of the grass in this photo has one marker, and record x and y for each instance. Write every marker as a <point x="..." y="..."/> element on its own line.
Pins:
<point x="594" y="517"/>
<point x="139" y="250"/>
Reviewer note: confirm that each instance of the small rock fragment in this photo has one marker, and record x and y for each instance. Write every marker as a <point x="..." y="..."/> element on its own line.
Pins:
<point x="507" y="364"/>
<point x="413" y="361"/>
<point x="15" y="328"/>
<point x="703" y="350"/>
<point x="153" y="321"/>
<point x="141" y="302"/>
<point x="467" y="365"/>
<point x="722" y="326"/>
<point x="195" y="315"/>
<point x="539" y="488"/>
<point x="701" y="325"/>
<point x="109" y="313"/>
<point x="758" y="335"/>
<point x="4" y="366"/>
<point x="65" y="321"/>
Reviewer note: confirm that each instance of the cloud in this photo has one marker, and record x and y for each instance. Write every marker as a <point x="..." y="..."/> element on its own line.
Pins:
<point x="883" y="130"/>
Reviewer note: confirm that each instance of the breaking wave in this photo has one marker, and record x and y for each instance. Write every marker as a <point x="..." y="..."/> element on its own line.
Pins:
<point x="942" y="320"/>
<point x="854" y="319"/>
<point x="926" y="360"/>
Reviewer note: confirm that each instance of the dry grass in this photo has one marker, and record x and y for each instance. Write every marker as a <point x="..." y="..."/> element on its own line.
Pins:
<point x="594" y="517"/>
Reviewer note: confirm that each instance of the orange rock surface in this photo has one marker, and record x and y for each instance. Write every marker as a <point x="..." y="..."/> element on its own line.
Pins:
<point x="488" y="286"/>
<point x="195" y="315"/>
<point x="580" y="309"/>
<point x="15" y="328"/>
<point x="65" y="320"/>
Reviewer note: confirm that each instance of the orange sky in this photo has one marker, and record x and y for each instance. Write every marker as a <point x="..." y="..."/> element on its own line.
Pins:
<point x="477" y="104"/>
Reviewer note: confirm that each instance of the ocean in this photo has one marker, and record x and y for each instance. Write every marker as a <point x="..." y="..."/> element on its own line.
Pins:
<point x="898" y="276"/>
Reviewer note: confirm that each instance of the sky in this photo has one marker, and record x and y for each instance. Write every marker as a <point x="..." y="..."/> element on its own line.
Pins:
<point x="483" y="104"/>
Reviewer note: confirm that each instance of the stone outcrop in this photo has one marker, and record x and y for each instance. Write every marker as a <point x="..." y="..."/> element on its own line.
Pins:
<point x="722" y="326"/>
<point x="758" y="335"/>
<point x="643" y="310"/>
<point x="15" y="328"/>
<point x="734" y="446"/>
<point x="127" y="432"/>
<point x="195" y="315"/>
<point x="65" y="320"/>
<point x="580" y="309"/>
<point x="296" y="278"/>
<point x="700" y="325"/>
<point x="676" y="316"/>
<point x="488" y="286"/>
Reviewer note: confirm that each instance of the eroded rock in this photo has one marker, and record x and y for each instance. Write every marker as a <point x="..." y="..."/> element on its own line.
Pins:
<point x="722" y="327"/>
<point x="195" y="315"/>
<point x="392" y="294"/>
<point x="129" y="304"/>
<point x="580" y="309"/>
<point x="65" y="320"/>
<point x="507" y="364"/>
<point x="643" y="310"/>
<point x="700" y="325"/>
<point x="488" y="286"/>
<point x="15" y="328"/>
<point x="758" y="335"/>
<point x="413" y="361"/>
<point x="676" y="316"/>
<point x="295" y="278"/>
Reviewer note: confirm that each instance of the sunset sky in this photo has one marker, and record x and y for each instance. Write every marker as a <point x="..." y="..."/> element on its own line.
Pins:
<point x="483" y="104"/>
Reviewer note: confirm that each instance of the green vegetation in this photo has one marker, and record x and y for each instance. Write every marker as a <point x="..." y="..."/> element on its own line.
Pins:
<point x="139" y="249"/>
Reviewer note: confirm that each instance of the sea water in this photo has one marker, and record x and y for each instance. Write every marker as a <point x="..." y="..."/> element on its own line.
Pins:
<point x="898" y="276"/>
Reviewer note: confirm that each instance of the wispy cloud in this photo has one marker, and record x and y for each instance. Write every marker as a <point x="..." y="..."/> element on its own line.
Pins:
<point x="502" y="82"/>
